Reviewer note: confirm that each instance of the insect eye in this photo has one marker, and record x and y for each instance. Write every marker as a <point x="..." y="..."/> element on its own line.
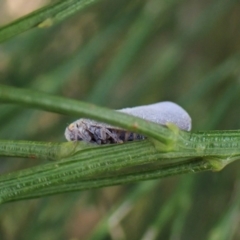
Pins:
<point x="71" y="127"/>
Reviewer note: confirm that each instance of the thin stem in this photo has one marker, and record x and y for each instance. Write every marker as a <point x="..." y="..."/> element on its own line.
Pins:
<point x="44" y="17"/>
<point x="40" y="150"/>
<point x="35" y="99"/>
<point x="121" y="163"/>
<point x="183" y="168"/>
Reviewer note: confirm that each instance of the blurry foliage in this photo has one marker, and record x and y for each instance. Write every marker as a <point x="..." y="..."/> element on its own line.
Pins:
<point x="121" y="54"/>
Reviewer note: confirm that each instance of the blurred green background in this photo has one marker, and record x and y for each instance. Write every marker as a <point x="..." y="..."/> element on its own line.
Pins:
<point x="121" y="54"/>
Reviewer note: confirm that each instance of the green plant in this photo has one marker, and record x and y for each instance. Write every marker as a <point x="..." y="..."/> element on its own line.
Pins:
<point x="153" y="56"/>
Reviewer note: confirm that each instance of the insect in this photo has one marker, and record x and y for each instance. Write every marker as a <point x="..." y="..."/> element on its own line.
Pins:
<point x="101" y="133"/>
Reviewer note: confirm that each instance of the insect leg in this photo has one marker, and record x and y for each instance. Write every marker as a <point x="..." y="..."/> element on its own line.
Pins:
<point x="113" y="135"/>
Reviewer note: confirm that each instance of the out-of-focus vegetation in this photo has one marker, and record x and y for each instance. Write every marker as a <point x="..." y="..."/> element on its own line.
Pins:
<point x="121" y="54"/>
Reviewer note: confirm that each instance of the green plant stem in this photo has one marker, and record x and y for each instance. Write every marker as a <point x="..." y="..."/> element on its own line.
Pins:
<point x="35" y="99"/>
<point x="40" y="150"/>
<point x="118" y="164"/>
<point x="44" y="17"/>
<point x="80" y="185"/>
<point x="94" y="167"/>
<point x="209" y="144"/>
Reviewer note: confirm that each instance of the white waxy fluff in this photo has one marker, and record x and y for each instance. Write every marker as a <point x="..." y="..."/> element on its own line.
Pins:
<point x="162" y="113"/>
